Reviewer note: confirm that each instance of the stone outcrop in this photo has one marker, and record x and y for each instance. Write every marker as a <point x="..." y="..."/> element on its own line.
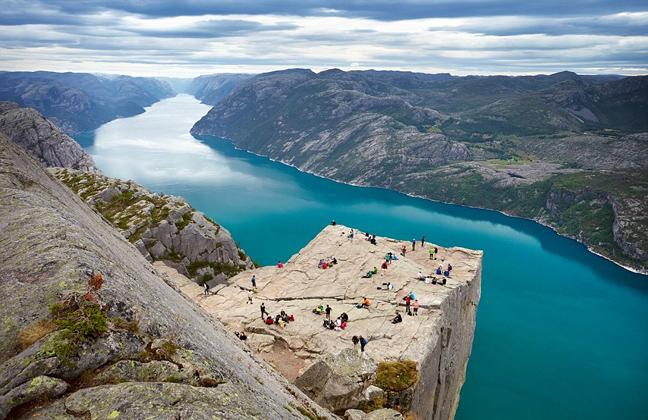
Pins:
<point x="42" y="139"/>
<point x="162" y="227"/>
<point x="52" y="244"/>
<point x="338" y="380"/>
<point x="438" y="339"/>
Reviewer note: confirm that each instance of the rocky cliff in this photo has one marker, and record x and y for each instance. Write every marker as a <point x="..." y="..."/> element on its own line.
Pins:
<point x="162" y="227"/>
<point x="90" y="329"/>
<point x="42" y="139"/>
<point x="438" y="340"/>
<point x="498" y="142"/>
<point x="78" y="102"/>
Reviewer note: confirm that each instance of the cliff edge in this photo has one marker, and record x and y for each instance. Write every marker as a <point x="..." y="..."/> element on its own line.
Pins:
<point x="438" y="339"/>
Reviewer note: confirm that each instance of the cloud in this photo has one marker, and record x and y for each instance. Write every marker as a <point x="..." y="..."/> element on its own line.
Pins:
<point x="164" y="37"/>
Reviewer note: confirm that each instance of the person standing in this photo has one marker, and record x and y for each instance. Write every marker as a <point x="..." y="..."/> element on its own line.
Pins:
<point x="423" y="241"/>
<point x="328" y="312"/>
<point x="431" y="253"/>
<point x="263" y="310"/>
<point x="249" y="298"/>
<point x="206" y="288"/>
<point x="408" y="300"/>
<point x="413" y="244"/>
<point x="363" y="343"/>
<point x="415" y="305"/>
<point x="253" y="282"/>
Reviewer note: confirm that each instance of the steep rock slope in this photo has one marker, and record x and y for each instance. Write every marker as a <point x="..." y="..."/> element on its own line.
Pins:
<point x="78" y="102"/>
<point x="162" y="227"/>
<point x="42" y="139"/>
<point x="159" y="355"/>
<point x="497" y="142"/>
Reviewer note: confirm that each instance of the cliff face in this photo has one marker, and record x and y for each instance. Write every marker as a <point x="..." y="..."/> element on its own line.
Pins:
<point x="42" y="139"/>
<point x="78" y="102"/>
<point x="439" y="339"/>
<point x="162" y="228"/>
<point x="159" y="355"/>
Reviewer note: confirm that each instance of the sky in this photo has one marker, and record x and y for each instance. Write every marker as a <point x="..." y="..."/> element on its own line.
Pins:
<point x="189" y="38"/>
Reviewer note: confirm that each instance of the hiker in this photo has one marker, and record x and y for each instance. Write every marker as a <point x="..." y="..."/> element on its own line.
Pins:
<point x="249" y="298"/>
<point x="241" y="335"/>
<point x="333" y="223"/>
<point x="423" y="241"/>
<point x="449" y="268"/>
<point x="415" y="305"/>
<point x="413" y="244"/>
<point x="355" y="341"/>
<point x="280" y="264"/>
<point x="344" y="317"/>
<point x="398" y="318"/>
<point x="431" y="253"/>
<point x="363" y="343"/>
<point x="368" y="275"/>
<point x="206" y="288"/>
<point x="407" y="299"/>
<point x="419" y="276"/>
<point x="403" y="250"/>
<point x="338" y="324"/>
<point x="253" y="282"/>
<point x="328" y="312"/>
<point x="263" y="310"/>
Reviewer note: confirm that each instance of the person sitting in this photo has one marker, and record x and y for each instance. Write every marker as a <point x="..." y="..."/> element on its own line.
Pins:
<point x="390" y="286"/>
<point x="324" y="265"/>
<point x="329" y="324"/>
<point x="446" y="273"/>
<point x="373" y="240"/>
<point x="241" y="335"/>
<point x="368" y="275"/>
<point x="320" y="263"/>
<point x="398" y="318"/>
<point x="344" y="317"/>
<point x="375" y="270"/>
<point x="449" y="267"/>
<point x="419" y="276"/>
<point x="333" y="223"/>
<point x="365" y="303"/>
<point x="280" y="264"/>
<point x="338" y="324"/>
<point x="343" y="325"/>
<point x="438" y="271"/>
<point x="269" y="320"/>
<point x="318" y="310"/>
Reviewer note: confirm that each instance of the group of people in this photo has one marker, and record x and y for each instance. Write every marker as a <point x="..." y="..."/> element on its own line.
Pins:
<point x="282" y="319"/>
<point x="325" y="263"/>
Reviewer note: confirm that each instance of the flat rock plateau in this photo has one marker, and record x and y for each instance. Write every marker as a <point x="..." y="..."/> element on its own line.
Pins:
<point x="439" y="339"/>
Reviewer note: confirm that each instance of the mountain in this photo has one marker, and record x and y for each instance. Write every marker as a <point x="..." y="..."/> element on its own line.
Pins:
<point x="92" y="330"/>
<point x="42" y="139"/>
<point x="213" y="88"/>
<point x="78" y="102"/>
<point x="563" y="149"/>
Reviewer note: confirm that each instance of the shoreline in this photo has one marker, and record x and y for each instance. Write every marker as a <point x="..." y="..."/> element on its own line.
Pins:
<point x="630" y="269"/>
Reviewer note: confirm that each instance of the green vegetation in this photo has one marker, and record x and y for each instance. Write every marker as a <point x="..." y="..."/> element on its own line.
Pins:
<point x="396" y="376"/>
<point x="80" y="317"/>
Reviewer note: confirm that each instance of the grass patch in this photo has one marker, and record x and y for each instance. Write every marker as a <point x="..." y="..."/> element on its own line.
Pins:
<point x="35" y="332"/>
<point x="396" y="376"/>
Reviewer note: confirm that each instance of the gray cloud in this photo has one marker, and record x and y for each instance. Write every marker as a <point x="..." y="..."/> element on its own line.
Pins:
<point x="466" y="36"/>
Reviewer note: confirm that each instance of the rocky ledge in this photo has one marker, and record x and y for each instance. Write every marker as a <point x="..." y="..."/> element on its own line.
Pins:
<point x="162" y="227"/>
<point x="438" y="339"/>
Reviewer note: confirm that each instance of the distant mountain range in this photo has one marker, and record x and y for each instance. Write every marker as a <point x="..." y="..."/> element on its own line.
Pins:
<point x="78" y="102"/>
<point x="566" y="150"/>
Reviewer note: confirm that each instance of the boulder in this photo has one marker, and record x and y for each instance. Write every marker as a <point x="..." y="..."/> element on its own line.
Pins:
<point x="338" y="381"/>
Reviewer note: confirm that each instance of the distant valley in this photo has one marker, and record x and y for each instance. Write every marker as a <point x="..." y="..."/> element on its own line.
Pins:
<point x="565" y="150"/>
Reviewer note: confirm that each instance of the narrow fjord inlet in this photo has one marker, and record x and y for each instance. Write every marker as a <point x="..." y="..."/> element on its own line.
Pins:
<point x="561" y="332"/>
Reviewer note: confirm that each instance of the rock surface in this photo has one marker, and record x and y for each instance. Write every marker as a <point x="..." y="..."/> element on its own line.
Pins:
<point x="51" y="242"/>
<point x="42" y="139"/>
<point x="439" y="339"/>
<point x="162" y="227"/>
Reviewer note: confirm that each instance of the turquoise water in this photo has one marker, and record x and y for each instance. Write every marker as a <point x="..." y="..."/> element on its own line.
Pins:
<point x="561" y="333"/>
